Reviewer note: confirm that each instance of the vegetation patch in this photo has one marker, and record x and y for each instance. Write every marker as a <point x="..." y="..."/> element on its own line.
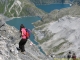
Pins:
<point x="2" y="6"/>
<point x="61" y="53"/>
<point x="7" y="14"/>
<point x="38" y="23"/>
<point x="56" y="48"/>
<point x="10" y="3"/>
<point x="40" y="28"/>
<point x="44" y="39"/>
<point x="64" y="59"/>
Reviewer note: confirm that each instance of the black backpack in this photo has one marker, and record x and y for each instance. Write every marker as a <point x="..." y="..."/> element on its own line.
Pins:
<point x="69" y="56"/>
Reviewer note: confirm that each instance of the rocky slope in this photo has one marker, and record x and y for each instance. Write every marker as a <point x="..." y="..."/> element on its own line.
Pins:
<point x="56" y="14"/>
<point x="76" y="2"/>
<point x="58" y="31"/>
<point x="18" y="8"/>
<point x="9" y="39"/>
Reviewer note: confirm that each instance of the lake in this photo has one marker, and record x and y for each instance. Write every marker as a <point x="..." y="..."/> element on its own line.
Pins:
<point x="27" y="21"/>
<point x="50" y="7"/>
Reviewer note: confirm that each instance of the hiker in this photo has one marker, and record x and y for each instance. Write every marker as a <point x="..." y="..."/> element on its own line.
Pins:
<point x="23" y="38"/>
<point x="69" y="55"/>
<point x="74" y="56"/>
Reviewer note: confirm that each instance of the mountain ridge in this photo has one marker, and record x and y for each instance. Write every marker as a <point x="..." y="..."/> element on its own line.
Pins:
<point x="19" y="8"/>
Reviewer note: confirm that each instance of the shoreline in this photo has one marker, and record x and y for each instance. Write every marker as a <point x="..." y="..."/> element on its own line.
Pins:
<point x="52" y="3"/>
<point x="8" y="19"/>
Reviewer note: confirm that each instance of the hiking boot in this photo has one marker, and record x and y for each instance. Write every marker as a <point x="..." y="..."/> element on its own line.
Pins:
<point x="18" y="49"/>
<point x="23" y="52"/>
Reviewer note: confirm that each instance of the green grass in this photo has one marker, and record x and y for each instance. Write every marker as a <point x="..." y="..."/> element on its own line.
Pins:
<point x="7" y="14"/>
<point x="56" y="48"/>
<point x="2" y="8"/>
<point x="61" y="53"/>
<point x="44" y="39"/>
<point x="10" y="3"/>
<point x="64" y="59"/>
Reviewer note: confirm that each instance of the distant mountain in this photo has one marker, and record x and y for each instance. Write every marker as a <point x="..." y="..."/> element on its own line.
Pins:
<point x="56" y="1"/>
<point x="17" y="8"/>
<point x="76" y="2"/>
<point x="49" y="1"/>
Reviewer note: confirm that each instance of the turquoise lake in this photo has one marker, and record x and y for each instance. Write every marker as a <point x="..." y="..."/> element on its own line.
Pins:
<point x="27" y="21"/>
<point x="49" y="8"/>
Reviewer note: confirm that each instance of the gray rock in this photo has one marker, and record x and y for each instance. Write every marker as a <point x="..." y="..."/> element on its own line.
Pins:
<point x="9" y="41"/>
<point x="2" y="23"/>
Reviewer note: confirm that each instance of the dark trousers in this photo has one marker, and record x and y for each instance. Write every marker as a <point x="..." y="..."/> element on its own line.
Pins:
<point x="21" y="44"/>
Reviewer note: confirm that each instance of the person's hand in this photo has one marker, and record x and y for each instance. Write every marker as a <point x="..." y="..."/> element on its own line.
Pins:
<point x="20" y="35"/>
<point x="31" y="43"/>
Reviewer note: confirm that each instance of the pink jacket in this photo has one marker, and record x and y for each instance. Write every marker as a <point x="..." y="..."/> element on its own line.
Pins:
<point x="23" y="33"/>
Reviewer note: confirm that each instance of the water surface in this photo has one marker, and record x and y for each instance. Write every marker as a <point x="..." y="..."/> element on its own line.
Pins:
<point x="27" y="21"/>
<point x="49" y="8"/>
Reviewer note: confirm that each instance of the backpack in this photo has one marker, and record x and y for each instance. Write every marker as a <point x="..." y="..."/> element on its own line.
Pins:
<point x="27" y="33"/>
<point x="69" y="56"/>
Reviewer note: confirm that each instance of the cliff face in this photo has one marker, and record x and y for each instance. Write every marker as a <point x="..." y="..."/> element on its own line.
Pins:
<point x="9" y="39"/>
<point x="58" y="31"/>
<point x="17" y="8"/>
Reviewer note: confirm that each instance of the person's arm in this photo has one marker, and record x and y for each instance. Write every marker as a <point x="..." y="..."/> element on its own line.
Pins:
<point x="20" y="33"/>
